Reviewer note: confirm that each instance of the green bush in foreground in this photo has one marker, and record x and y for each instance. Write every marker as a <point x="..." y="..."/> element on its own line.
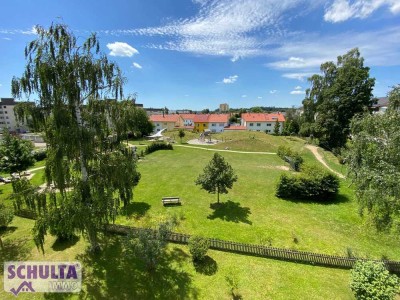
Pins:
<point x="371" y="280"/>
<point x="313" y="184"/>
<point x="198" y="247"/>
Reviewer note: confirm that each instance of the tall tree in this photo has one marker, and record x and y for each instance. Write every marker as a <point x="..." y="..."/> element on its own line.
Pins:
<point x="343" y="90"/>
<point x="16" y="154"/>
<point x="181" y="134"/>
<point x="374" y="164"/>
<point x="86" y="160"/>
<point x="277" y="128"/>
<point x="218" y="176"/>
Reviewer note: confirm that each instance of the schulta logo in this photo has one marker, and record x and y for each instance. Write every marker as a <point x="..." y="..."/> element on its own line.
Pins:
<point x="45" y="277"/>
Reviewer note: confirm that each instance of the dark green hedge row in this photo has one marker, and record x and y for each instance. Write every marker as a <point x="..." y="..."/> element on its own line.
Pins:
<point x="313" y="183"/>
<point x="158" y="146"/>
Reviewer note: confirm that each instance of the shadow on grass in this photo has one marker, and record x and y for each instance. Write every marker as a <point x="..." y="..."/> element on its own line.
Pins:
<point x="207" y="266"/>
<point x="231" y="212"/>
<point x="338" y="199"/>
<point x="7" y="230"/>
<point x="14" y="250"/>
<point x="112" y="275"/>
<point x="61" y="245"/>
<point x="136" y="210"/>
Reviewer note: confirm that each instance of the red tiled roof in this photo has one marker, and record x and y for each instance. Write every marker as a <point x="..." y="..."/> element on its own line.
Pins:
<point x="235" y="127"/>
<point x="165" y="118"/>
<point x="218" y="118"/>
<point x="262" y="117"/>
<point x="201" y="118"/>
<point x="188" y="116"/>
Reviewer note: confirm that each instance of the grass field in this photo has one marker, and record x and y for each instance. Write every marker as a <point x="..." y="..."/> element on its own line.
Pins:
<point x="249" y="213"/>
<point x="113" y="276"/>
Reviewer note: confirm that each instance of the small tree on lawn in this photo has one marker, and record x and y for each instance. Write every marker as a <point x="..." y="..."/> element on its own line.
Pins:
<point x="371" y="280"/>
<point x="198" y="247"/>
<point x="218" y="176"/>
<point x="277" y="128"/>
<point x="181" y="134"/>
<point x="16" y="154"/>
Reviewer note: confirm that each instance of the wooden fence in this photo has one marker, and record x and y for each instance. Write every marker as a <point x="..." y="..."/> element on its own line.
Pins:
<point x="265" y="251"/>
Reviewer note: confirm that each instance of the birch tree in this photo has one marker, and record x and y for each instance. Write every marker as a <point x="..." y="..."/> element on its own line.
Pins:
<point x="87" y="163"/>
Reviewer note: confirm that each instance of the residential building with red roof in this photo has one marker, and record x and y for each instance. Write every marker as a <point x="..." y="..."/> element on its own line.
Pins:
<point x="188" y="119"/>
<point x="262" y="121"/>
<point x="217" y="122"/>
<point x="168" y="122"/>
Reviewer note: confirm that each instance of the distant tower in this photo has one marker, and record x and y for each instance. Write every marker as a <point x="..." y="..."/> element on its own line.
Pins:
<point x="224" y="107"/>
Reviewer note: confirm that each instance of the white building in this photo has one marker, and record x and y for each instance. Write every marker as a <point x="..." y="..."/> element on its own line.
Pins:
<point x="262" y="121"/>
<point x="7" y="116"/>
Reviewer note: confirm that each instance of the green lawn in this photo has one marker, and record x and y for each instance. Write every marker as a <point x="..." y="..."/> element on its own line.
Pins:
<point x="250" y="212"/>
<point x="112" y="275"/>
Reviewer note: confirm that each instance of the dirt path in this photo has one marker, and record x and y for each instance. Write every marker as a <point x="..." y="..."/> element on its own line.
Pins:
<point x="314" y="150"/>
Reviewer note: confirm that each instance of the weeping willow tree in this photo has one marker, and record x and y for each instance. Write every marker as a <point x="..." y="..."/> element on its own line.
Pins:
<point x="87" y="161"/>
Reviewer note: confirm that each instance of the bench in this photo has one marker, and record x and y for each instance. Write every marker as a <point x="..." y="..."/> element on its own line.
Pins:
<point x="171" y="200"/>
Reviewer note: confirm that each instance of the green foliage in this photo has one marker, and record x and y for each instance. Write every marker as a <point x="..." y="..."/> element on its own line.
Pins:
<point x="15" y="154"/>
<point x="290" y="156"/>
<point x="371" y="280"/>
<point x="40" y="155"/>
<point x="312" y="183"/>
<point x="181" y="134"/>
<point x="343" y="90"/>
<point x="374" y="166"/>
<point x="198" y="247"/>
<point x="83" y="134"/>
<point x="158" y="146"/>
<point x="277" y="128"/>
<point x="6" y="215"/>
<point x="218" y="176"/>
<point x="149" y="245"/>
<point x="232" y="281"/>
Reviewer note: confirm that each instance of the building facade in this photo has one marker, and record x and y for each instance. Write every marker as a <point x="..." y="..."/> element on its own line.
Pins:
<point x="7" y="116"/>
<point x="263" y="121"/>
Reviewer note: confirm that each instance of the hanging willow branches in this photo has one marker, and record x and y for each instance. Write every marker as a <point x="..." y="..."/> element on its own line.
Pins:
<point x="87" y="162"/>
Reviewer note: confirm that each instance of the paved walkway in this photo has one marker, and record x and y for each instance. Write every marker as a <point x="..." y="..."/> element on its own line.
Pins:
<point x="314" y="150"/>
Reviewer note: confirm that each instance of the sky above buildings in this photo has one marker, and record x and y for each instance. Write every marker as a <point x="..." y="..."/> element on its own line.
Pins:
<point x="196" y="54"/>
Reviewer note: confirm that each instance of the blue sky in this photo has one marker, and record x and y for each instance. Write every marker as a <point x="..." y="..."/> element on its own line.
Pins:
<point x="197" y="54"/>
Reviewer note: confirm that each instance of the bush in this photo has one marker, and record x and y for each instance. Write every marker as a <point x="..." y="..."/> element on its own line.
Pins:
<point x="371" y="280"/>
<point x="6" y="215"/>
<point x="313" y="184"/>
<point x="290" y="156"/>
<point x="158" y="146"/>
<point x="40" y="155"/>
<point x="198" y="247"/>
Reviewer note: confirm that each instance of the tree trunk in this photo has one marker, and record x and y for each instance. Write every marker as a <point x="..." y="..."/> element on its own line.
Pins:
<point x="1" y="244"/>
<point x="81" y="154"/>
<point x="92" y="235"/>
<point x="218" y="194"/>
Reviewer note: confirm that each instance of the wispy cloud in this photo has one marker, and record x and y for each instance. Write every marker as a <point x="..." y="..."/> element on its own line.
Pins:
<point x="31" y="31"/>
<point x="259" y="97"/>
<point x="298" y="76"/>
<point x="6" y="38"/>
<point x="297" y="90"/>
<point x="230" y="79"/>
<point x="342" y="10"/>
<point x="136" y="65"/>
<point x="121" y="49"/>
<point x="244" y="96"/>
<point x="273" y="91"/>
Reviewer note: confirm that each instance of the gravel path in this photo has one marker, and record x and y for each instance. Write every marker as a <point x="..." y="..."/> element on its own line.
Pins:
<point x="318" y="156"/>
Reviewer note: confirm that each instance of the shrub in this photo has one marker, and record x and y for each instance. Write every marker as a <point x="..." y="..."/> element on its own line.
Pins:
<point x="158" y="146"/>
<point x="371" y="280"/>
<point x="40" y="155"/>
<point x="6" y="215"/>
<point x="198" y="247"/>
<point x="313" y="183"/>
<point x="290" y="156"/>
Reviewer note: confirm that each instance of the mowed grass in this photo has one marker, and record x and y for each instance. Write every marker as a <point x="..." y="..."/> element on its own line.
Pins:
<point x="112" y="275"/>
<point x="250" y="212"/>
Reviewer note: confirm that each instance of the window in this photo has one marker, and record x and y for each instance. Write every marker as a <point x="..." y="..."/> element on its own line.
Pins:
<point x="258" y="124"/>
<point x="204" y="125"/>
<point x="7" y="117"/>
<point x="268" y="124"/>
<point x="1" y="112"/>
<point x="4" y="106"/>
<point x="5" y="112"/>
<point x="251" y="124"/>
<point x="213" y="124"/>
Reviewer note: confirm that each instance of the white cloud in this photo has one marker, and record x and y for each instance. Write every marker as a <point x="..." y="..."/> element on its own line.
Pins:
<point x="297" y="92"/>
<point x="6" y="38"/>
<point x="259" y="97"/>
<point x="298" y="76"/>
<point x="230" y="79"/>
<point x="298" y="87"/>
<point x="342" y="10"/>
<point x="273" y="91"/>
<point x="244" y="96"/>
<point x="121" y="49"/>
<point x="136" y="65"/>
<point x="1" y="85"/>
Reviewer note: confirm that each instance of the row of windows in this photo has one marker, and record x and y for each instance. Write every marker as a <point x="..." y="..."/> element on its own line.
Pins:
<point x="3" y="117"/>
<point x="258" y="124"/>
<point x="4" y="122"/>
<point x="1" y="112"/>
